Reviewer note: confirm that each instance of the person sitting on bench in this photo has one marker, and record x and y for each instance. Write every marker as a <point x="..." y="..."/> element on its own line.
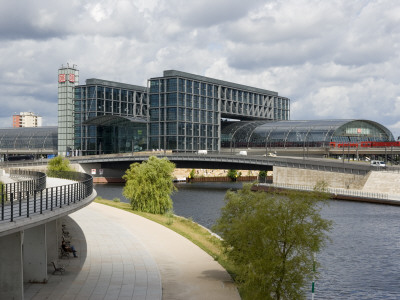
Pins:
<point x="68" y="248"/>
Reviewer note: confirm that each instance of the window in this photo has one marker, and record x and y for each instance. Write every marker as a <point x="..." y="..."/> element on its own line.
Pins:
<point x="181" y="99"/>
<point x="196" y="101"/>
<point x="116" y="95"/>
<point x="108" y="93"/>
<point x="154" y="114"/>
<point x="154" y="129"/>
<point x="188" y="100"/>
<point x="171" y="85"/>
<point x="171" y="99"/>
<point x="196" y="88"/>
<point x="171" y="114"/>
<point x="154" y="86"/>
<point x="189" y="86"/>
<point x="181" y="114"/>
<point x="181" y="128"/>
<point x="196" y="129"/>
<point x="154" y="100"/>
<point x="181" y="85"/>
<point x="100" y="92"/>
<point x="171" y="128"/>
<point x="203" y="103"/>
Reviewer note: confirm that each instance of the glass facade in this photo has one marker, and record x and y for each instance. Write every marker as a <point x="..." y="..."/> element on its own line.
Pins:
<point x="32" y="138"/>
<point x="110" y="117"/>
<point x="186" y="110"/>
<point x="315" y="133"/>
<point x="179" y="112"/>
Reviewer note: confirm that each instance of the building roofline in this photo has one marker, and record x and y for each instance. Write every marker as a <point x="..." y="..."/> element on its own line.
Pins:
<point x="176" y="73"/>
<point x="96" y="81"/>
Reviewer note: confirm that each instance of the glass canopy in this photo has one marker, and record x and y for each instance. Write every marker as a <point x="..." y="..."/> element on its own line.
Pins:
<point x="310" y="133"/>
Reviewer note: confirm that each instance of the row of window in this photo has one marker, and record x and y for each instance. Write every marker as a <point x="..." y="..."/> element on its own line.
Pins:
<point x="183" y="100"/>
<point x="183" y="143"/>
<point x="107" y="93"/>
<point x="182" y="114"/>
<point x="182" y="128"/>
<point x="107" y="106"/>
<point x="210" y="90"/>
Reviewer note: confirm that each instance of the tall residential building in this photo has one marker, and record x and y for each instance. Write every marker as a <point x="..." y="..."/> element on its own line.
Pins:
<point x="27" y="119"/>
<point x="68" y="78"/>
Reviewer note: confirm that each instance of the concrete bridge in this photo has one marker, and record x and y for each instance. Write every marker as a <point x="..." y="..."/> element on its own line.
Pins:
<point x="30" y="226"/>
<point x="114" y="165"/>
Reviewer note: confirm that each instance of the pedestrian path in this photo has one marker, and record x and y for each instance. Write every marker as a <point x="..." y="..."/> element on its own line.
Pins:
<point x="125" y="256"/>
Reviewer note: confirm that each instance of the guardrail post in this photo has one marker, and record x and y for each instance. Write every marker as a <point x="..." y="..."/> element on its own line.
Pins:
<point x="47" y="199"/>
<point x="56" y="195"/>
<point x="65" y="192"/>
<point x="51" y="199"/>
<point x="20" y="203"/>
<point x="12" y="206"/>
<point x="41" y="201"/>
<point x="2" y="205"/>
<point x="34" y="201"/>
<point x="27" y="204"/>
<point x="75" y="191"/>
<point x="69" y="193"/>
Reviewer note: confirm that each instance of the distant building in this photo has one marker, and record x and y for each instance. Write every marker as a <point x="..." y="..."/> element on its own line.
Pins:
<point x="27" y="119"/>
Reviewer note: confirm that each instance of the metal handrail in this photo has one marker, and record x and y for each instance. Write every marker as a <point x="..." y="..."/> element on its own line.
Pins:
<point x="319" y="165"/>
<point x="36" y="182"/>
<point x="333" y="191"/>
<point x="23" y="204"/>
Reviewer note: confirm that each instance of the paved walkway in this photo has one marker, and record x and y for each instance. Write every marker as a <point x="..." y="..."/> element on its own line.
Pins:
<point x="125" y="256"/>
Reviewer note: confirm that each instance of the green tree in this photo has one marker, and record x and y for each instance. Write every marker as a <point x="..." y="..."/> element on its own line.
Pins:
<point x="149" y="185"/>
<point x="58" y="164"/>
<point x="192" y="174"/>
<point x="233" y="174"/>
<point x="271" y="238"/>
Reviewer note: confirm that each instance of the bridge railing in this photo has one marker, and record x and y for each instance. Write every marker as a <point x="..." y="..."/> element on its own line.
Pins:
<point x="333" y="191"/>
<point x="28" y="181"/>
<point x="261" y="161"/>
<point x="22" y="204"/>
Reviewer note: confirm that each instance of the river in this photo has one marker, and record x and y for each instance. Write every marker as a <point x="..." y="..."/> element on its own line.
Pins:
<point x="361" y="261"/>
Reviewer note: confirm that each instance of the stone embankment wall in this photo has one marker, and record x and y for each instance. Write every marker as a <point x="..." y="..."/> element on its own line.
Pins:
<point x="311" y="177"/>
<point x="384" y="182"/>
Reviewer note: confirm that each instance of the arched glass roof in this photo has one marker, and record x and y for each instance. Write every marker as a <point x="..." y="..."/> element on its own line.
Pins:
<point x="29" y="138"/>
<point x="313" y="133"/>
<point x="112" y="120"/>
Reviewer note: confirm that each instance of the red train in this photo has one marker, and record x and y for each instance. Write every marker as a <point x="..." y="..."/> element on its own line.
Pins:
<point x="364" y="144"/>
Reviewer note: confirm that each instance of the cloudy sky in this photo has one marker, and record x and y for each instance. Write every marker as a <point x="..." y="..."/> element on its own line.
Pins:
<point x="333" y="59"/>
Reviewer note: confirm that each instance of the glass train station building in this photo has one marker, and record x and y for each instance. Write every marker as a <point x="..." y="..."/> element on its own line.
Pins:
<point x="184" y="112"/>
<point x="178" y="111"/>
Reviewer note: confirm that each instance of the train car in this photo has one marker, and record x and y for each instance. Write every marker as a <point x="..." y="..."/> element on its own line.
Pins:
<point x="365" y="144"/>
<point x="386" y="144"/>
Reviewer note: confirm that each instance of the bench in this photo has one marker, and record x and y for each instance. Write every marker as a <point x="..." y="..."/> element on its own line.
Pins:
<point x="60" y="269"/>
<point x="64" y="253"/>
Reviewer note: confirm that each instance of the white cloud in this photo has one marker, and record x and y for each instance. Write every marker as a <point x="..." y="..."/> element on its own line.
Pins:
<point x="334" y="59"/>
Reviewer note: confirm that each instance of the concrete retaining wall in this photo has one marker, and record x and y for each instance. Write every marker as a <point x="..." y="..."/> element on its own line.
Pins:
<point x="311" y="177"/>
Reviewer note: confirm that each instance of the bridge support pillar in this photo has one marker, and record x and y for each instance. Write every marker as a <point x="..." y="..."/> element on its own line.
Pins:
<point x="11" y="270"/>
<point x="35" y="254"/>
<point x="52" y="241"/>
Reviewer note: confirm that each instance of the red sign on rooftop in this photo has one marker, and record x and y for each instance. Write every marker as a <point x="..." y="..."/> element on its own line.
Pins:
<point x="61" y="77"/>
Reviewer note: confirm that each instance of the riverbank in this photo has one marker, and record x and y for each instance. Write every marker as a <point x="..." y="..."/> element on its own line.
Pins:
<point x="200" y="175"/>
